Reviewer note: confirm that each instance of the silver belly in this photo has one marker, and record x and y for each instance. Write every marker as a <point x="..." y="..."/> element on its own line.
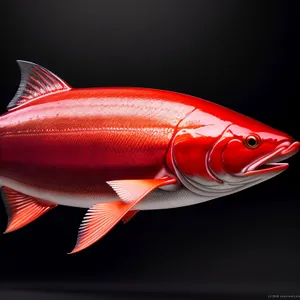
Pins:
<point x="158" y="199"/>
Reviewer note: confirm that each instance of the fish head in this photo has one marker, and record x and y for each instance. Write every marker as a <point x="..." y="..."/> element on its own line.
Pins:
<point x="246" y="153"/>
<point x="226" y="156"/>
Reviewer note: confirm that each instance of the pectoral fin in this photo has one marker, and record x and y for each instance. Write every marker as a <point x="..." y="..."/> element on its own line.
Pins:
<point x="22" y="209"/>
<point x="102" y="217"/>
<point x="130" y="190"/>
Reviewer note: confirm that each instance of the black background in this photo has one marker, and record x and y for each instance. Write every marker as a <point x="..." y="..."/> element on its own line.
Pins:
<point x="241" y="54"/>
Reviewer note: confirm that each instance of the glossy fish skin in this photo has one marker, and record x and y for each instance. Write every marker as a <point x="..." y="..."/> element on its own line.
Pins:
<point x="120" y="150"/>
<point x="73" y="142"/>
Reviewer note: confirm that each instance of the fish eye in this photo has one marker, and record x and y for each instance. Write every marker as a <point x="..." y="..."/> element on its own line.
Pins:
<point x="251" y="141"/>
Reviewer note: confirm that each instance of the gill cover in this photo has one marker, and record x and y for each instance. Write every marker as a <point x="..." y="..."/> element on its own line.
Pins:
<point x="189" y="157"/>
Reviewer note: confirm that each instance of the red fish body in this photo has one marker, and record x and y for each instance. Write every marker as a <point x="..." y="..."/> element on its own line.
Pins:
<point x="72" y="143"/>
<point x="120" y="150"/>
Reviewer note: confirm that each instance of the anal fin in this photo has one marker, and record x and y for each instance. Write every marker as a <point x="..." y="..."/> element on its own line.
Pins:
<point x="98" y="221"/>
<point x="129" y="216"/>
<point x="22" y="209"/>
<point x="102" y="217"/>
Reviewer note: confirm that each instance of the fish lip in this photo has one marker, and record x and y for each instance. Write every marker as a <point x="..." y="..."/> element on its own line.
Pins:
<point x="271" y="162"/>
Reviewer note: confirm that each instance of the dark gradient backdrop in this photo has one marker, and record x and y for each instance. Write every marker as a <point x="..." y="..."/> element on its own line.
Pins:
<point x="241" y="54"/>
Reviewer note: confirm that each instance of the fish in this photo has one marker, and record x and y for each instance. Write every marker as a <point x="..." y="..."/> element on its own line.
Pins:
<point x="116" y="151"/>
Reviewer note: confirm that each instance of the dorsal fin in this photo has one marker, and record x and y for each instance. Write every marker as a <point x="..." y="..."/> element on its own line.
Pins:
<point x="36" y="81"/>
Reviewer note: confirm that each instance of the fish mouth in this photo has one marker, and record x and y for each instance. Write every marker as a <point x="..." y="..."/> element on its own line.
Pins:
<point x="273" y="162"/>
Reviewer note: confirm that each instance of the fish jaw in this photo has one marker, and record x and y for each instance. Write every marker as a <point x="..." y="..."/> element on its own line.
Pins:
<point x="273" y="162"/>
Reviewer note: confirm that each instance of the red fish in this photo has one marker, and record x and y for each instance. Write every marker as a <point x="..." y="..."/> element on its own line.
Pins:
<point x="116" y="151"/>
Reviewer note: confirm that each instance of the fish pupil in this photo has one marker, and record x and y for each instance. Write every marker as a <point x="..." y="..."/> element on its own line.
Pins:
<point x="252" y="142"/>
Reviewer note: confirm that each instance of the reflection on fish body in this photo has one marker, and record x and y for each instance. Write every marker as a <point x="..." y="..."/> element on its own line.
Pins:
<point x="117" y="151"/>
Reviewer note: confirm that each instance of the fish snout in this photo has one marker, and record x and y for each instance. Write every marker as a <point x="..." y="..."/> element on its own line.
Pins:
<point x="290" y="150"/>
